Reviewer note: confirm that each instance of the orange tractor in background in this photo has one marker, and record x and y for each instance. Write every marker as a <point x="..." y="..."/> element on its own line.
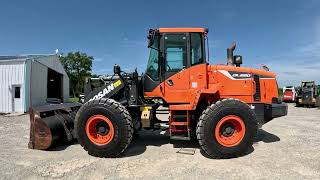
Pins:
<point x="221" y="106"/>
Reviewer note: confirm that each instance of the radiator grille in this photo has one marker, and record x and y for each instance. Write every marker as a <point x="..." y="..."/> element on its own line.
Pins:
<point x="307" y="95"/>
<point x="257" y="95"/>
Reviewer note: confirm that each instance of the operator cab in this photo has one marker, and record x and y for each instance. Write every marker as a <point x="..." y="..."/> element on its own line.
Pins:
<point x="172" y="50"/>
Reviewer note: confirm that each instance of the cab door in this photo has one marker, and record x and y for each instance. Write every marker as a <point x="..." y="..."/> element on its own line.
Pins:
<point x="176" y="63"/>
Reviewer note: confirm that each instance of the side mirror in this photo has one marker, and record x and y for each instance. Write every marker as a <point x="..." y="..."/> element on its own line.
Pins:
<point x="237" y="60"/>
<point x="151" y="37"/>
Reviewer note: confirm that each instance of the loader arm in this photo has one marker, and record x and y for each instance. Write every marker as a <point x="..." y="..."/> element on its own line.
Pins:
<point x="54" y="123"/>
<point x="106" y="91"/>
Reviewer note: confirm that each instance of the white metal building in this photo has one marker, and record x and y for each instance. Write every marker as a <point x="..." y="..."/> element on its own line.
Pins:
<point x="28" y="81"/>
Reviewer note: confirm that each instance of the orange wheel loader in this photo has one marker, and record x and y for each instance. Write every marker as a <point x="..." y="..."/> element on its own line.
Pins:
<point x="220" y="106"/>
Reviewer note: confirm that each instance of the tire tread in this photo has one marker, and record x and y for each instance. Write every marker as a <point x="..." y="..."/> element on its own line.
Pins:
<point x="124" y="117"/>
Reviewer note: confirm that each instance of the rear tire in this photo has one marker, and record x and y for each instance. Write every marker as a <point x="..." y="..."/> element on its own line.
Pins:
<point x="117" y="128"/>
<point x="227" y="129"/>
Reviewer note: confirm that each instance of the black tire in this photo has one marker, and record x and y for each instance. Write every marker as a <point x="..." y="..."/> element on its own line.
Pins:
<point x="121" y="122"/>
<point x="209" y="120"/>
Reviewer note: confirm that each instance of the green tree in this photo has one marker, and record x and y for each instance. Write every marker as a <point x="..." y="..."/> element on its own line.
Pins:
<point x="78" y="66"/>
<point x="280" y="91"/>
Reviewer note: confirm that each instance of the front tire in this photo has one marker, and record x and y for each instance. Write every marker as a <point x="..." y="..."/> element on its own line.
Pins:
<point x="104" y="128"/>
<point x="227" y="129"/>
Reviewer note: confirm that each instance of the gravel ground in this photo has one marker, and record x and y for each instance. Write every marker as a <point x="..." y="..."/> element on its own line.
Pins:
<point x="287" y="148"/>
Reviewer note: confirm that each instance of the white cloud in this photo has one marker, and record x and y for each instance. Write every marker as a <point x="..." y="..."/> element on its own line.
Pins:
<point x="289" y="73"/>
<point x="301" y="63"/>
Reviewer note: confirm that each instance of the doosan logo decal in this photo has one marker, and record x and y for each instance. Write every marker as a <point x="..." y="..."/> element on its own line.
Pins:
<point x="106" y="90"/>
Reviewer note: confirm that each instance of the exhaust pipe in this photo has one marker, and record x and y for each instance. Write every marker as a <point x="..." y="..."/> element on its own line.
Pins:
<point x="230" y="54"/>
<point x="52" y="124"/>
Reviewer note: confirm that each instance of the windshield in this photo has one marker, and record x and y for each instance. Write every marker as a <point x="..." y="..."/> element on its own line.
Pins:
<point x="153" y="66"/>
<point x="307" y="84"/>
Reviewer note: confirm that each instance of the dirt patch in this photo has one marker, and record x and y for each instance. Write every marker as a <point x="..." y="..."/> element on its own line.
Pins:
<point x="286" y="148"/>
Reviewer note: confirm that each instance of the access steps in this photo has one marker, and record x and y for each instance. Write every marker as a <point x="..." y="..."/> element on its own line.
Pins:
<point x="179" y="125"/>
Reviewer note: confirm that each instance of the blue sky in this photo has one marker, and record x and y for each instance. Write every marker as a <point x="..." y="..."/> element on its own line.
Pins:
<point x="285" y="35"/>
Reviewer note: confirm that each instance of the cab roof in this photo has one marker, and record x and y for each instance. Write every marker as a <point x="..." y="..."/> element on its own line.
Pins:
<point x="182" y="30"/>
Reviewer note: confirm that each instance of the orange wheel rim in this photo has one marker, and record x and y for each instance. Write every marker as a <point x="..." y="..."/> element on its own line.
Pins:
<point x="99" y="130"/>
<point x="230" y="131"/>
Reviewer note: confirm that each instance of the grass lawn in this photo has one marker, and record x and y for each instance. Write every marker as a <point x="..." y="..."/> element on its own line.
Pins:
<point x="73" y="99"/>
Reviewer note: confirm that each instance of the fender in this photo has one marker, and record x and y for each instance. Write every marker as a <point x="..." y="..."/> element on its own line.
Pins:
<point x="214" y="89"/>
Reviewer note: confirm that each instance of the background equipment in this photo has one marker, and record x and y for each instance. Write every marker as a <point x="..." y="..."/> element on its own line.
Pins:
<point x="289" y="94"/>
<point x="308" y="94"/>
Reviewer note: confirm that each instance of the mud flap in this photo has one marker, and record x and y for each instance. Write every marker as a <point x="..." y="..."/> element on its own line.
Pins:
<point x="52" y="124"/>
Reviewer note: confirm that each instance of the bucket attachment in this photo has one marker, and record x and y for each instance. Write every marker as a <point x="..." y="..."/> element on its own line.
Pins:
<point x="52" y="124"/>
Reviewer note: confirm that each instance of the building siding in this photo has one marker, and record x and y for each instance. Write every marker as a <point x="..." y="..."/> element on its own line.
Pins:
<point x="27" y="84"/>
<point x="38" y="84"/>
<point x="54" y="63"/>
<point x="31" y="74"/>
<point x="11" y="73"/>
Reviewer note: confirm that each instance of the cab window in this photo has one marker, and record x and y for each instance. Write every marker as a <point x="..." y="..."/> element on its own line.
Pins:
<point x="175" y="48"/>
<point x="153" y="62"/>
<point x="196" y="49"/>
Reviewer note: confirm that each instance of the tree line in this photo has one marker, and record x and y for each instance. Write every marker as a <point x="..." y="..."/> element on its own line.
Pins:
<point x="78" y="66"/>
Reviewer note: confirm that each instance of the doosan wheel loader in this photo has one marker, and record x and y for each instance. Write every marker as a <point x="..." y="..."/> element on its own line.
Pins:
<point x="221" y="106"/>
